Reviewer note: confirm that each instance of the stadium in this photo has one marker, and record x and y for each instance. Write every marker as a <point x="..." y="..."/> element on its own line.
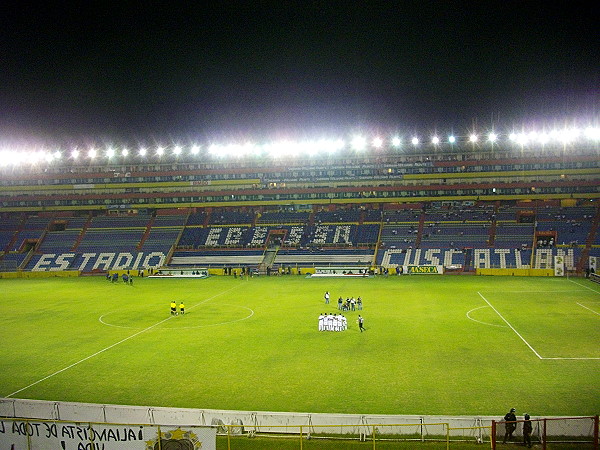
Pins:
<point x="474" y="257"/>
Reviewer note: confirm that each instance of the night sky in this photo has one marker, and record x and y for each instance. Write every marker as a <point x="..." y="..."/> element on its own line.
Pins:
<point x="240" y="70"/>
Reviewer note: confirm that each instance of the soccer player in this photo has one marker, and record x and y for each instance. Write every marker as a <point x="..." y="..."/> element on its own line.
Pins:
<point x="361" y="323"/>
<point x="181" y="308"/>
<point x="340" y="321"/>
<point x="173" y="308"/>
<point x="330" y="322"/>
<point x="327" y="297"/>
<point x="321" y="322"/>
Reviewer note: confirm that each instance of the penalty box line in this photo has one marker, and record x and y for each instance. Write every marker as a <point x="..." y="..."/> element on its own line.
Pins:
<point x="529" y="345"/>
<point x="109" y="347"/>
<point x="511" y="327"/>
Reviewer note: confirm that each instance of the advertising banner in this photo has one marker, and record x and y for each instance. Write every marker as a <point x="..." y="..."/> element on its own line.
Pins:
<point x="428" y="270"/>
<point x="41" y="435"/>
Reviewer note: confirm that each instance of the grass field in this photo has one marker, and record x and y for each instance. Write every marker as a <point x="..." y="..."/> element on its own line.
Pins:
<point x="433" y="344"/>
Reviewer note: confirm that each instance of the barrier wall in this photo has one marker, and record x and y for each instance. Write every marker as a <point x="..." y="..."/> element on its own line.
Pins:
<point x="260" y="421"/>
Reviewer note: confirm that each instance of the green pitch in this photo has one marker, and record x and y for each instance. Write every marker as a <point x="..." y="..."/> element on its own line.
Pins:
<point x="433" y="344"/>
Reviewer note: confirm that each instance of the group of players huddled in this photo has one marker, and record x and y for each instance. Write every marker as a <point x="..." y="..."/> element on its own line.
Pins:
<point x="332" y="322"/>
<point x="338" y="322"/>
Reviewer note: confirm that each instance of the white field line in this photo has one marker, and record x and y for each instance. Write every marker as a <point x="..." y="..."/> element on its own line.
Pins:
<point x="586" y="287"/>
<point x="479" y="321"/>
<point x="110" y="346"/>
<point x="511" y="327"/>
<point x="589" y="309"/>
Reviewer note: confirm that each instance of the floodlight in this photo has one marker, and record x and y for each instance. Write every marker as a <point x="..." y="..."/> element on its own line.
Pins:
<point x="143" y="151"/>
<point x="492" y="137"/>
<point x="160" y="150"/>
<point x="195" y="149"/>
<point x="415" y="141"/>
<point x="75" y="154"/>
<point x="396" y="141"/>
<point x="473" y="138"/>
<point x="48" y="156"/>
<point x="543" y="138"/>
<point x="513" y="137"/>
<point x="592" y="133"/>
<point x="57" y="154"/>
<point x="568" y="135"/>
<point x="110" y="153"/>
<point x="377" y="142"/>
<point x="177" y="150"/>
<point x="451" y="139"/>
<point x="358" y="143"/>
<point x="331" y="145"/>
<point x="92" y="153"/>
<point x="522" y="138"/>
<point x="124" y="152"/>
<point x="435" y="140"/>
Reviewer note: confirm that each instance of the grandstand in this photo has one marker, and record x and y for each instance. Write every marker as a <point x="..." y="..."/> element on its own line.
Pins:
<point x="497" y="207"/>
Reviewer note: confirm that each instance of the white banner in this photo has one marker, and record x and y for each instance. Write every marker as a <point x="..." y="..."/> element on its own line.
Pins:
<point x="593" y="264"/>
<point x="559" y="266"/>
<point x="41" y="435"/>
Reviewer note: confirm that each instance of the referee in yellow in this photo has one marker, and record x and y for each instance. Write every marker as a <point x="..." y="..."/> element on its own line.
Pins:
<point x="181" y="308"/>
<point x="173" y="308"/>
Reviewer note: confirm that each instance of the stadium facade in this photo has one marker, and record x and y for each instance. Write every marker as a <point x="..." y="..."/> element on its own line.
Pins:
<point x="465" y="206"/>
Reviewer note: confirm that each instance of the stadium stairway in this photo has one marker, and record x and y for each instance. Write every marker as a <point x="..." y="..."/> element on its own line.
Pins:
<point x="86" y="225"/>
<point x="147" y="232"/>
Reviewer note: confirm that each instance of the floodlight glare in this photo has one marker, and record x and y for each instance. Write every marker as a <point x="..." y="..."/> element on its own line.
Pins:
<point x="396" y="141"/>
<point x="435" y="140"/>
<point x="177" y="150"/>
<point x="57" y="154"/>
<point x="143" y="151"/>
<point x="358" y="143"/>
<point x="522" y="138"/>
<point x="125" y="152"/>
<point x="110" y="153"/>
<point x="451" y="139"/>
<point x="492" y="137"/>
<point x="92" y="153"/>
<point x="513" y="137"/>
<point x="377" y="142"/>
<point x="75" y="154"/>
<point x="195" y="149"/>
<point x="415" y="141"/>
<point x="592" y="133"/>
<point x="473" y="138"/>
<point x="160" y="151"/>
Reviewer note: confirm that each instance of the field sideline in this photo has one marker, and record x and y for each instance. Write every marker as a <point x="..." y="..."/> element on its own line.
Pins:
<point x="447" y="345"/>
